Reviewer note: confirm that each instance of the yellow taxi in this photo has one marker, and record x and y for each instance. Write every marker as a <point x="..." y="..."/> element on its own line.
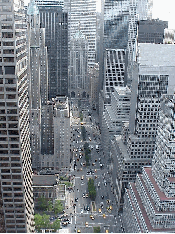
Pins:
<point x="99" y="210"/>
<point x="106" y="231"/>
<point x="104" y="216"/>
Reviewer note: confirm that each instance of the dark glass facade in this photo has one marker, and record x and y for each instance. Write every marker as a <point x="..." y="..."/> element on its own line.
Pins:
<point x="116" y="15"/>
<point x="55" y="22"/>
<point x="151" y="31"/>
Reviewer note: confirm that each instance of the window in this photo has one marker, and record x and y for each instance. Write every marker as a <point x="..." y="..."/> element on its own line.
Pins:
<point x="9" y="70"/>
<point x="9" y="59"/>
<point x="8" y="43"/>
<point x="7" y="35"/>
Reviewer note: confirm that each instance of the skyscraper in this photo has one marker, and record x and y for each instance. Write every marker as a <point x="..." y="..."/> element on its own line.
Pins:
<point x="16" y="174"/>
<point x="150" y="202"/>
<point x="79" y="84"/>
<point x="83" y="13"/>
<point x="116" y="14"/>
<point x="114" y="32"/>
<point x="38" y="78"/>
<point x="138" y="10"/>
<point x="153" y="77"/>
<point x="55" y="22"/>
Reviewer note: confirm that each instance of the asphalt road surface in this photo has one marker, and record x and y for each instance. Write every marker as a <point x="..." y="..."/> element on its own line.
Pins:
<point x="104" y="214"/>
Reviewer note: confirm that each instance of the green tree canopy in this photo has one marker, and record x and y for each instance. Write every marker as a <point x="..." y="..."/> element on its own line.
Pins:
<point x="56" y="225"/>
<point x="42" y="221"/>
<point x="58" y="207"/>
<point x="97" y="229"/>
<point x="42" y="203"/>
<point x="91" y="189"/>
<point x="83" y="132"/>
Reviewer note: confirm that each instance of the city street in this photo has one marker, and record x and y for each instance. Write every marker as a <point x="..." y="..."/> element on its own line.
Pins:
<point x="103" y="212"/>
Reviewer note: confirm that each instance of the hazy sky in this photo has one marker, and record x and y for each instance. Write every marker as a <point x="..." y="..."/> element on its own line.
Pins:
<point x="162" y="9"/>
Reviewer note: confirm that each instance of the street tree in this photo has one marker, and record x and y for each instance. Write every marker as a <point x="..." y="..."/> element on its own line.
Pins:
<point x="58" y="207"/>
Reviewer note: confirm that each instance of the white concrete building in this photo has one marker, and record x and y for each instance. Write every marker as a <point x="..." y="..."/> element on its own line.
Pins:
<point x="154" y="76"/>
<point x="150" y="202"/>
<point x="114" y="69"/>
<point x="115" y="115"/>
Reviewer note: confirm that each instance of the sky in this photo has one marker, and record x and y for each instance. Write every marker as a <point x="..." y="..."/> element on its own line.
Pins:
<point x="162" y="9"/>
<point x="165" y="10"/>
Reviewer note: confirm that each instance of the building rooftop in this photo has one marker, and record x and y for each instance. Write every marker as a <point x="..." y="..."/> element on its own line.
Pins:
<point x="44" y="180"/>
<point x="146" y="219"/>
<point x="161" y="195"/>
<point x="123" y="147"/>
<point x="122" y="90"/>
<point x="156" y="54"/>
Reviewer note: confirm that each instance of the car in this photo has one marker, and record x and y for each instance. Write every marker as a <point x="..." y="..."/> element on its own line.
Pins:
<point x="86" y="224"/>
<point x="92" y="217"/>
<point x="82" y="177"/>
<point x="106" y="231"/>
<point x="76" y="199"/>
<point x="88" y="208"/>
<point x="81" y="169"/>
<point x="104" y="216"/>
<point x="99" y="210"/>
<point x="98" y="184"/>
<point x="105" y="184"/>
<point x="88" y="172"/>
<point x="102" y="197"/>
<point x="95" y="170"/>
<point x="64" y="224"/>
<point x="93" y="164"/>
<point x="78" y="231"/>
<point x="83" y="195"/>
<point x="87" y="195"/>
<point x="82" y="211"/>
